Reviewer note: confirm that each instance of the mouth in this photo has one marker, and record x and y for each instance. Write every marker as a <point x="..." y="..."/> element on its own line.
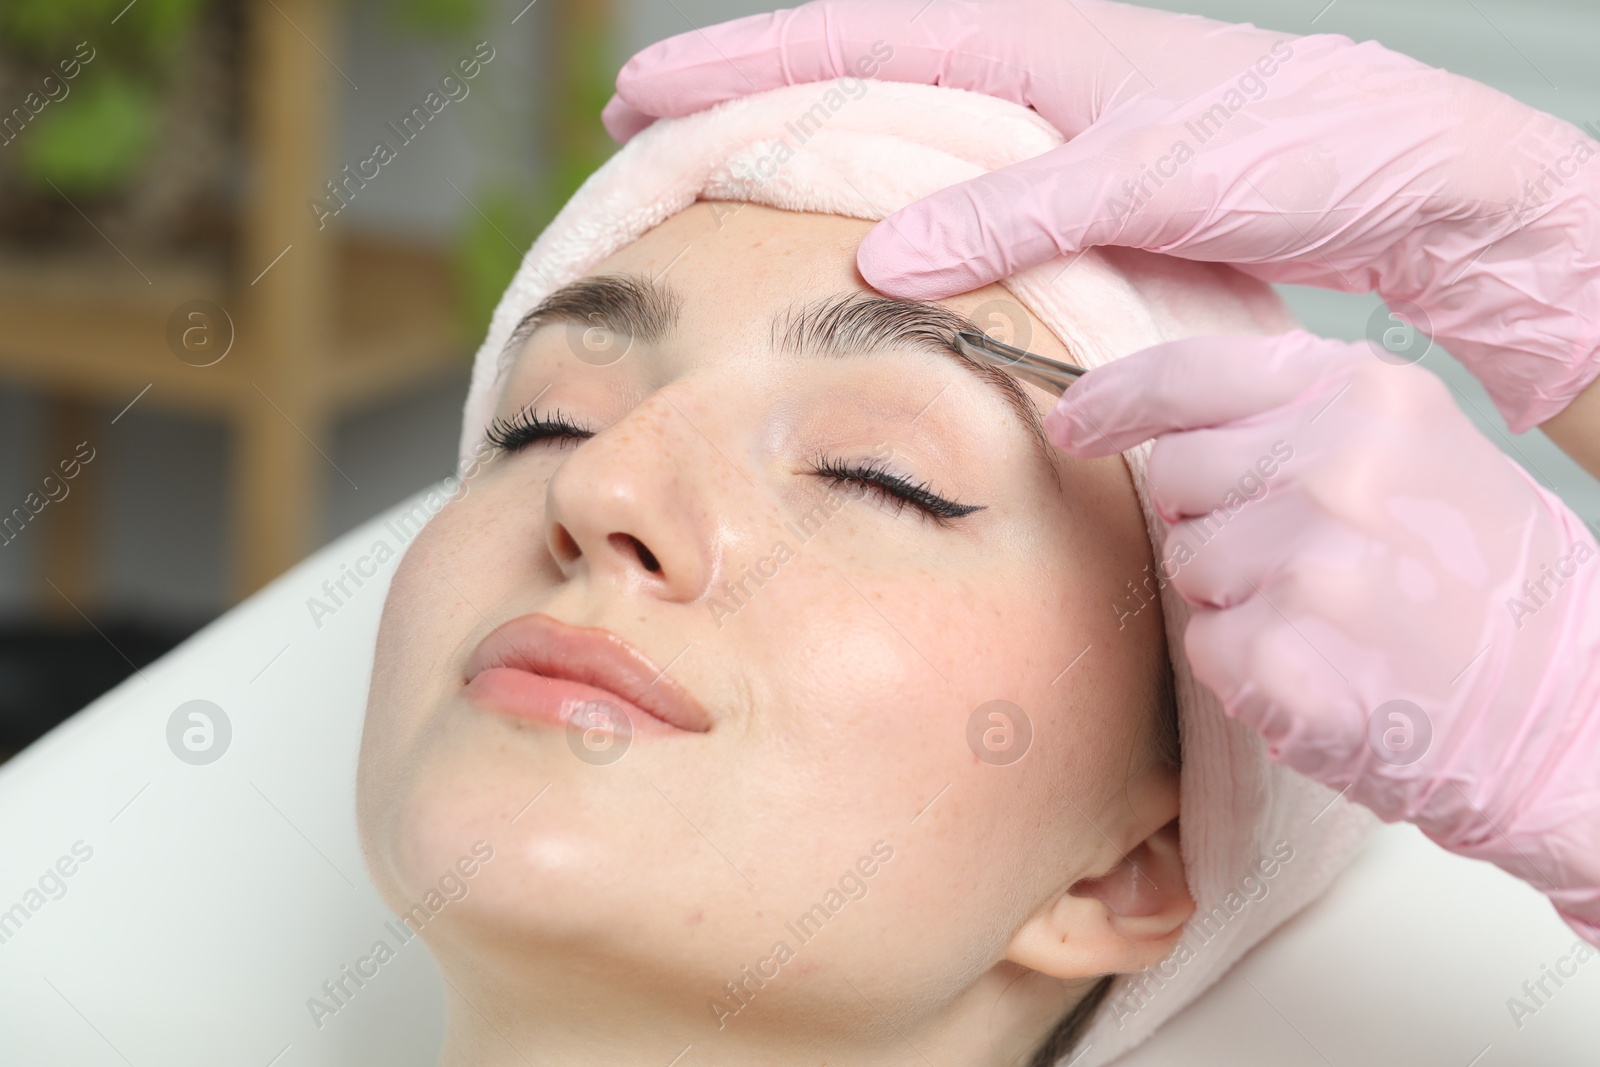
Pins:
<point x="537" y="667"/>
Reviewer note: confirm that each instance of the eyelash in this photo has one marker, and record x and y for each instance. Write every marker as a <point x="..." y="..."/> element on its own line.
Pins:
<point x="513" y="433"/>
<point x="894" y="489"/>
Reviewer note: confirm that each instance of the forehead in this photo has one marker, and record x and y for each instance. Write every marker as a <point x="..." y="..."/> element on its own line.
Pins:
<point x="734" y="264"/>
<point x="755" y="253"/>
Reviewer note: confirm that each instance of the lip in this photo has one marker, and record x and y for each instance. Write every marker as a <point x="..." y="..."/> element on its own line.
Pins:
<point x="538" y="667"/>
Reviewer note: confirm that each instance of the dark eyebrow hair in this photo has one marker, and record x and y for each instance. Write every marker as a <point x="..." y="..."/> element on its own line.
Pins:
<point x="863" y="323"/>
<point x="622" y="303"/>
<point x="846" y="324"/>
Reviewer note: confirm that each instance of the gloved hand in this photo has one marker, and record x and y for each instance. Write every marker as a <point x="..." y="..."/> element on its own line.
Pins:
<point x="1389" y="600"/>
<point x="1312" y="160"/>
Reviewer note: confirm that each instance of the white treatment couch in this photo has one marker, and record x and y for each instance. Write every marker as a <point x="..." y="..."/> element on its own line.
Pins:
<point x="216" y="898"/>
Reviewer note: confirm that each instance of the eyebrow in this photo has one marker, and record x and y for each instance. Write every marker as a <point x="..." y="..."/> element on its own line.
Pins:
<point x="864" y="323"/>
<point x="621" y="303"/>
<point x="848" y="324"/>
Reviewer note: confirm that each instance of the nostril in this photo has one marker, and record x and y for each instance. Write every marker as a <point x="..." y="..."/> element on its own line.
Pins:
<point x="627" y="542"/>
<point x="566" y="549"/>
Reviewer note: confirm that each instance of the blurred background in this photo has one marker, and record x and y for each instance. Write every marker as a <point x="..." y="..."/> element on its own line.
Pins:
<point x="232" y="327"/>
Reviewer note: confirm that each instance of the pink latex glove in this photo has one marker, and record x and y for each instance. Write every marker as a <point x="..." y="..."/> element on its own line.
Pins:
<point x="1350" y="540"/>
<point x="1322" y="162"/>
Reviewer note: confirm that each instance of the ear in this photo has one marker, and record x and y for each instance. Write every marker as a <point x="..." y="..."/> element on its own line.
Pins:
<point x="1124" y="920"/>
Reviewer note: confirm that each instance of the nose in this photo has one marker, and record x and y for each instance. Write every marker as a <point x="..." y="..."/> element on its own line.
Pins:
<point x="624" y="508"/>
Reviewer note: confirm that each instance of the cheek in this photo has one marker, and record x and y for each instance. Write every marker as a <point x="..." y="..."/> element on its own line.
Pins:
<point x="848" y="721"/>
<point x="872" y="690"/>
<point x="422" y="619"/>
<point x="880" y="662"/>
<point x="870" y="687"/>
<point x="416" y="663"/>
<point x="457" y="570"/>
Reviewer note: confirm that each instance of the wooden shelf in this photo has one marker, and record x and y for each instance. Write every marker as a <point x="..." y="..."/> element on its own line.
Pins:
<point x="396" y="322"/>
<point x="340" y="323"/>
<point x="76" y="325"/>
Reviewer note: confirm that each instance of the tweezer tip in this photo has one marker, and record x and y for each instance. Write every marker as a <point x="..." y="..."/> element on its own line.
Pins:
<point x="1050" y="373"/>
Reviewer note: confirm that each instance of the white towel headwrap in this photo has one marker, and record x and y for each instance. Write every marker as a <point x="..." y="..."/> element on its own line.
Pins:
<point x="880" y="146"/>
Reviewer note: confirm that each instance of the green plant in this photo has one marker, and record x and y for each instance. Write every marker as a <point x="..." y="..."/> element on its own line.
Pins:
<point x="94" y="145"/>
<point x="147" y="29"/>
<point x="490" y="247"/>
<point x="453" y="18"/>
<point x="489" y="250"/>
<point x="98" y="143"/>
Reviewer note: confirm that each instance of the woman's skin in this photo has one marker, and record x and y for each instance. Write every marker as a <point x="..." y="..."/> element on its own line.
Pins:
<point x="620" y="901"/>
<point x="1576" y="431"/>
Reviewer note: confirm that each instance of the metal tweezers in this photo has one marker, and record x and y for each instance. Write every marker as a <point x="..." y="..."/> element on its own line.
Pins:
<point x="1046" y="373"/>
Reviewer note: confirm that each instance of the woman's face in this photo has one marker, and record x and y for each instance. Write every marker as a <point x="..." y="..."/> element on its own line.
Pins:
<point x="706" y="505"/>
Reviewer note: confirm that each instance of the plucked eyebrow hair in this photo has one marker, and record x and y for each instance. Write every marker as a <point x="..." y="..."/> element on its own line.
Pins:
<point x="843" y="325"/>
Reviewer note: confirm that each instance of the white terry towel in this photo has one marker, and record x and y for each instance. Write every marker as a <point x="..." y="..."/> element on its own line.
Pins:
<point x="1259" y="841"/>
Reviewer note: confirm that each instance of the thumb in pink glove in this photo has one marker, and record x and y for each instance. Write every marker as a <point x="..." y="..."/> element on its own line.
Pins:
<point x="1397" y="608"/>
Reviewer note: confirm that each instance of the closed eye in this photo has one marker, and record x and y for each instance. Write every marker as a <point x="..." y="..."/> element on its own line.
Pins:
<point x="513" y="433"/>
<point x="894" y="489"/>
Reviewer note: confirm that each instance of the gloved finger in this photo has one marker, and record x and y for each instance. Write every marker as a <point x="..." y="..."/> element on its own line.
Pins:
<point x="1270" y="676"/>
<point x="1072" y="197"/>
<point x="979" y="46"/>
<point x="1190" y="384"/>
<point x="1225" y="557"/>
<point x="966" y="236"/>
<point x="1193" y="473"/>
<point x="622" y="120"/>
<point x="1139" y="177"/>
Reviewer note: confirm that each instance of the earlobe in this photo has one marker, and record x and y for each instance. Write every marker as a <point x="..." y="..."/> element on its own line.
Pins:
<point x="1124" y="920"/>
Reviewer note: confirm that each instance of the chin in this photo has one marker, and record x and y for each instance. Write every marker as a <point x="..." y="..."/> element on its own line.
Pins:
<point x="459" y="820"/>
